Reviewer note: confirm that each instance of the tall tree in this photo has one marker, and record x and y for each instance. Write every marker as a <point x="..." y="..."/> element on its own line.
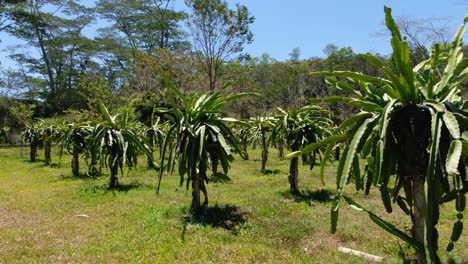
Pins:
<point x="54" y="28"/>
<point x="218" y="33"/>
<point x="10" y="11"/>
<point x="145" y="25"/>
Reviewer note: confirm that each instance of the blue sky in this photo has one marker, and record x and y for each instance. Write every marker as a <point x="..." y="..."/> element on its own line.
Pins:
<point x="310" y="25"/>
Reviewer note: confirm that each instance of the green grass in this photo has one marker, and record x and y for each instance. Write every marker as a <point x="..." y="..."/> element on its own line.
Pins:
<point x="251" y="219"/>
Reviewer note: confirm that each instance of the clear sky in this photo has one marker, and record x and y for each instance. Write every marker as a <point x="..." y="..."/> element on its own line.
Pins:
<point x="310" y="25"/>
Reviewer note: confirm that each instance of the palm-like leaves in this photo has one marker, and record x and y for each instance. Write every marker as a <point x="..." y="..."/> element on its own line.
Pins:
<point x="242" y="132"/>
<point x="75" y="139"/>
<point x="301" y="127"/>
<point x="411" y="127"/>
<point x="33" y="136"/>
<point x="259" y="130"/>
<point x="49" y="133"/>
<point x="115" y="143"/>
<point x="198" y="136"/>
<point x="155" y="135"/>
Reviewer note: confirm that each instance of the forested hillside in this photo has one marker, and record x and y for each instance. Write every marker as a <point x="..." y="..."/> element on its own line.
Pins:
<point x="73" y="54"/>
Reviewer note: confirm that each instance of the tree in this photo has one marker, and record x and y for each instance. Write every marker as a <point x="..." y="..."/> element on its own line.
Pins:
<point x="411" y="131"/>
<point x="260" y="128"/>
<point x="55" y="29"/>
<point x="145" y="25"/>
<point x="155" y="135"/>
<point x="74" y="138"/>
<point x="10" y="11"/>
<point x="329" y="49"/>
<point x="295" y="54"/>
<point x="241" y="76"/>
<point x="116" y="144"/>
<point x="218" y="32"/>
<point x="198" y="136"/>
<point x="49" y="133"/>
<point x="420" y="33"/>
<point x="288" y="84"/>
<point x="33" y="136"/>
<point x="242" y="132"/>
<point x="301" y="127"/>
<point x="139" y="33"/>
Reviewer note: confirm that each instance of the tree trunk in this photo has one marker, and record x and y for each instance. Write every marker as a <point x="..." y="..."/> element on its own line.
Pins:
<point x="114" y="169"/>
<point x="244" y="148"/>
<point x="212" y="72"/>
<point x="212" y="84"/>
<point x="419" y="232"/>
<point x="281" y="150"/>
<point x="75" y="164"/>
<point x="149" y="160"/>
<point x="313" y="159"/>
<point x="45" y="58"/>
<point x="264" y="150"/>
<point x="293" y="175"/>
<point x="195" y="191"/>
<point x="202" y="171"/>
<point x="305" y="159"/>
<point x="294" y="172"/>
<point x="337" y="153"/>
<point x="419" y="209"/>
<point x="214" y="165"/>
<point x="47" y="146"/>
<point x="411" y="128"/>
<point x="47" y="150"/>
<point x="33" y="151"/>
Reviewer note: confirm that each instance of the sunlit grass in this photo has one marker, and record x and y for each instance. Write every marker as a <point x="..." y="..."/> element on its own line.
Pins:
<point x="46" y="216"/>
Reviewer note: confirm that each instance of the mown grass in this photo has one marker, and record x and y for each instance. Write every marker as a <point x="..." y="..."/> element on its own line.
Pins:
<point x="46" y="216"/>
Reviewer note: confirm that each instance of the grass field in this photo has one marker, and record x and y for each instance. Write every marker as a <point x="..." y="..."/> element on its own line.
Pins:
<point x="46" y="216"/>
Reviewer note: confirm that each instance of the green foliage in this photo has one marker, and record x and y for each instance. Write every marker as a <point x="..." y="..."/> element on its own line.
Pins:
<point x="75" y="138"/>
<point x="114" y="144"/>
<point x="155" y="135"/>
<point x="260" y="128"/>
<point x="218" y="32"/>
<point x="299" y="128"/>
<point x="32" y="135"/>
<point x="50" y="133"/>
<point x="409" y="160"/>
<point x="145" y="25"/>
<point x="198" y="135"/>
<point x="55" y="30"/>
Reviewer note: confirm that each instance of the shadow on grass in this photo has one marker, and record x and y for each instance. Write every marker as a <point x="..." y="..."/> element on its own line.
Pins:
<point x="320" y="196"/>
<point x="133" y="185"/>
<point x="271" y="172"/>
<point x="104" y="187"/>
<point x="81" y="177"/>
<point x="220" y="178"/>
<point x="228" y="217"/>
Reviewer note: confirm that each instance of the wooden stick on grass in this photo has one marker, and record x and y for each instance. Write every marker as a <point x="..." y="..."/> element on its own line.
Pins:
<point x="366" y="256"/>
